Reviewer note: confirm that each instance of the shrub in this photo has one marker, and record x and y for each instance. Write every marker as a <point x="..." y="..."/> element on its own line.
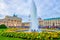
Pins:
<point x="2" y="26"/>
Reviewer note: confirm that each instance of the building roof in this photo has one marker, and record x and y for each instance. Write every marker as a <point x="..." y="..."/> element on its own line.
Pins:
<point x="1" y="20"/>
<point x="25" y="22"/>
<point x="12" y="18"/>
<point x="53" y="18"/>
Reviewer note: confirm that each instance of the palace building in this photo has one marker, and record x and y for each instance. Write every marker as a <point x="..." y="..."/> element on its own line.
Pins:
<point x="16" y="22"/>
<point x="52" y="22"/>
<point x="11" y="21"/>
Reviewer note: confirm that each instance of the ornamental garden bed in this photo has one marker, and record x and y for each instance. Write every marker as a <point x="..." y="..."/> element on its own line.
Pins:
<point x="33" y="35"/>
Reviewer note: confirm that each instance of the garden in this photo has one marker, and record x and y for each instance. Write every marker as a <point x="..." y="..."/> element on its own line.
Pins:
<point x="32" y="35"/>
<point x="12" y="34"/>
<point x="4" y="28"/>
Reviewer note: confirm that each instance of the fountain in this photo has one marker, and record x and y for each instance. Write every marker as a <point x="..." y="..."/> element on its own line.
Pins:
<point x="34" y="19"/>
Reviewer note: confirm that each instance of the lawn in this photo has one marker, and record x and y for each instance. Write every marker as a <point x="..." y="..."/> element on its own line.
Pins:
<point x="7" y="38"/>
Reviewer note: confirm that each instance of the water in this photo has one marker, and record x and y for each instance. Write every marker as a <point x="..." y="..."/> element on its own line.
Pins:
<point x="34" y="19"/>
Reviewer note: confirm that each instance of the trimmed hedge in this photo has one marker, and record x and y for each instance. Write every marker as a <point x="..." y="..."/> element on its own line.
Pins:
<point x="2" y="26"/>
<point x="33" y="35"/>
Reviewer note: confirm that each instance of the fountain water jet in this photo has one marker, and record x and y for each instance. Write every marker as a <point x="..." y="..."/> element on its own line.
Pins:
<point x="34" y="19"/>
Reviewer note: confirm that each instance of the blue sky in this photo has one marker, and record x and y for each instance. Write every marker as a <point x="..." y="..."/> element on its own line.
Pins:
<point x="45" y="8"/>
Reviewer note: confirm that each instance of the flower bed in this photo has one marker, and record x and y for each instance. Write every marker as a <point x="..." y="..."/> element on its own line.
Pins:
<point x="33" y="35"/>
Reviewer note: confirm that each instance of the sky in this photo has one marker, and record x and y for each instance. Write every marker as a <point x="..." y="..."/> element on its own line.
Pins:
<point x="45" y="8"/>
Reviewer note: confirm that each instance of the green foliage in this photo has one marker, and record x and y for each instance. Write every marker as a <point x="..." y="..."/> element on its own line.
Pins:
<point x="2" y="26"/>
<point x="7" y="38"/>
<point x="33" y="35"/>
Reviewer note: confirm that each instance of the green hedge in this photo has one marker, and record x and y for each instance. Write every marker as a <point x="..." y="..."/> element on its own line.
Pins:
<point x="2" y="26"/>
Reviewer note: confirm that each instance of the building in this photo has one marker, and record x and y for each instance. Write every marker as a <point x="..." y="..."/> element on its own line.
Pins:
<point x="52" y="22"/>
<point x="26" y="25"/>
<point x="41" y="22"/>
<point x="11" y="21"/>
<point x="14" y="21"/>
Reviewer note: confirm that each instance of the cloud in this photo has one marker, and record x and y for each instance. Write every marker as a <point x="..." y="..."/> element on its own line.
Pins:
<point x="49" y="8"/>
<point x="3" y="9"/>
<point x="18" y="6"/>
<point x="45" y="8"/>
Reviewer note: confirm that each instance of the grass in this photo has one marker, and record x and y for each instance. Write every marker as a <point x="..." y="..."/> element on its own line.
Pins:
<point x="7" y="38"/>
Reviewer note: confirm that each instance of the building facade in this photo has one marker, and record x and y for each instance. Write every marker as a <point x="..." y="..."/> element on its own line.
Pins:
<point x="52" y="22"/>
<point x="11" y="21"/>
<point x="26" y="25"/>
<point x="14" y="21"/>
<point x="46" y="22"/>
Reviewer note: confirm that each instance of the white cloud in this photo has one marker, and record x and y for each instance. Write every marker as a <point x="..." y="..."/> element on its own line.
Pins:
<point x="3" y="8"/>
<point x="22" y="7"/>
